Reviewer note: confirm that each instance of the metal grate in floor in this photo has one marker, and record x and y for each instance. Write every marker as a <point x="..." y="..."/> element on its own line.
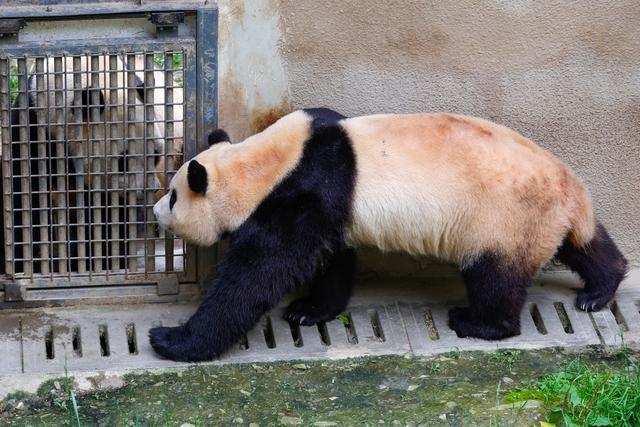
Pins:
<point x="108" y="337"/>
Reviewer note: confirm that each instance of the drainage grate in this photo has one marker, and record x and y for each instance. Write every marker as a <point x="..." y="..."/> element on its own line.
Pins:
<point x="94" y="338"/>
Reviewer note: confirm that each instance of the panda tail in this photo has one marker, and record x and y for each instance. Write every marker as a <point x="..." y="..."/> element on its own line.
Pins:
<point x="581" y="219"/>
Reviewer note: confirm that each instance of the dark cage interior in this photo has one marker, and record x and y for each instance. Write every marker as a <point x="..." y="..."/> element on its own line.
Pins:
<point x="91" y="143"/>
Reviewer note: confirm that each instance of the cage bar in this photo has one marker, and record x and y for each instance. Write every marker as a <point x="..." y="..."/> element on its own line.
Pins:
<point x="112" y="183"/>
<point x="60" y="217"/>
<point x="168" y="142"/>
<point x="7" y="197"/>
<point x="149" y="159"/>
<point x="132" y="146"/>
<point x="76" y="134"/>
<point x="42" y="117"/>
<point x="24" y="251"/>
<point x="96" y="188"/>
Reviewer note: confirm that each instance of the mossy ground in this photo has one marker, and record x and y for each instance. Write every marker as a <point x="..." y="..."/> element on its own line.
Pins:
<point x="453" y="389"/>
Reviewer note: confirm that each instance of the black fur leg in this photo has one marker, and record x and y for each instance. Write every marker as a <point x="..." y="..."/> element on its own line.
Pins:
<point x="167" y="340"/>
<point x="252" y="281"/>
<point x="330" y="291"/>
<point x="496" y="290"/>
<point x="601" y="266"/>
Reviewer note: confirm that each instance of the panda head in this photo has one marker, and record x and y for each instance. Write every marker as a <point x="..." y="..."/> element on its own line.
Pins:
<point x="200" y="204"/>
<point x="221" y="187"/>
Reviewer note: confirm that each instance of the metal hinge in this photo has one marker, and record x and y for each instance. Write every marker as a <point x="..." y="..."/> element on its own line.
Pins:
<point x="10" y="27"/>
<point x="168" y="286"/>
<point x="167" y="22"/>
<point x="14" y="292"/>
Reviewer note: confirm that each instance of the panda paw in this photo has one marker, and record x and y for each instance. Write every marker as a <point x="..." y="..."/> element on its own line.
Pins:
<point x="304" y="312"/>
<point x="592" y="301"/>
<point x="465" y="325"/>
<point x="175" y="343"/>
<point x="459" y="320"/>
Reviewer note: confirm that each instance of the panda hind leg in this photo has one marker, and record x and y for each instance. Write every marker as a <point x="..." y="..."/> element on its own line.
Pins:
<point x="601" y="266"/>
<point x="330" y="291"/>
<point x="496" y="290"/>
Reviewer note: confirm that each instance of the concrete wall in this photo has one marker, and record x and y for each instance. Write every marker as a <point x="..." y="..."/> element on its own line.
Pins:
<point x="566" y="74"/>
<point x="252" y="82"/>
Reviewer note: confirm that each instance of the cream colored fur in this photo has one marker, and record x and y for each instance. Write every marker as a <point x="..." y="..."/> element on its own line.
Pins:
<point x="454" y="187"/>
<point x="433" y="184"/>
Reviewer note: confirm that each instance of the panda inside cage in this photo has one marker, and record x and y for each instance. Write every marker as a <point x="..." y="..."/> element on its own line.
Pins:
<point x="91" y="143"/>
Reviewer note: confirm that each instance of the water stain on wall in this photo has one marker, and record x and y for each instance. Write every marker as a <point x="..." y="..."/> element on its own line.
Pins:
<point x="252" y="80"/>
<point x="238" y="118"/>
<point x="232" y="107"/>
<point x="262" y="118"/>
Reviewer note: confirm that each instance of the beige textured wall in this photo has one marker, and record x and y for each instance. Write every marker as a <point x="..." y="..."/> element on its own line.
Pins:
<point x="566" y="74"/>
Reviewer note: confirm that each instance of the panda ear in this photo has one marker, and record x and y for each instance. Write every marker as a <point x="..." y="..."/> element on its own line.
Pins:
<point x="218" y="135"/>
<point x="197" y="177"/>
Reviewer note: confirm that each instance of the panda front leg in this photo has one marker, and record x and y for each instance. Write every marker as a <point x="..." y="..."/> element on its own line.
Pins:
<point x="496" y="289"/>
<point x="330" y="291"/>
<point x="258" y="270"/>
<point x="229" y="310"/>
<point x="233" y="305"/>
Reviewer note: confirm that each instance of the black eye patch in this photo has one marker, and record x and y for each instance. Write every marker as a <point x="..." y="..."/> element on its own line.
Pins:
<point x="172" y="199"/>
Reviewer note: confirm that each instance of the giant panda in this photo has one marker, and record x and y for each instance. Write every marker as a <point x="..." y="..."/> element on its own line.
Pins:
<point x="296" y="199"/>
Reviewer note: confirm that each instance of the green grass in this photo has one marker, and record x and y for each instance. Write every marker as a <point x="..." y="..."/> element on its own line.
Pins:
<point x="507" y="357"/>
<point x="466" y="388"/>
<point x="344" y="319"/>
<point x="584" y="395"/>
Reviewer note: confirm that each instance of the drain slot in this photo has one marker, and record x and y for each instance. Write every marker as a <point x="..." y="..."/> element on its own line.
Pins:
<point x="617" y="314"/>
<point x="378" y="332"/>
<point x="267" y="330"/>
<point x="295" y="334"/>
<point x="104" y="340"/>
<point x="244" y="343"/>
<point x="350" y="329"/>
<point x="431" y="326"/>
<point x="48" y="343"/>
<point x="76" y="341"/>
<point x="324" y="333"/>
<point x="132" y="343"/>
<point x="537" y="319"/>
<point x="595" y="327"/>
<point x="564" y="318"/>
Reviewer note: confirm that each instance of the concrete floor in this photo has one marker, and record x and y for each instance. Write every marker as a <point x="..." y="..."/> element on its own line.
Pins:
<point x="97" y="344"/>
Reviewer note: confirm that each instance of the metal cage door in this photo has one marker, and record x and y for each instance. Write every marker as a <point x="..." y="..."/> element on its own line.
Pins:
<point x="92" y="133"/>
